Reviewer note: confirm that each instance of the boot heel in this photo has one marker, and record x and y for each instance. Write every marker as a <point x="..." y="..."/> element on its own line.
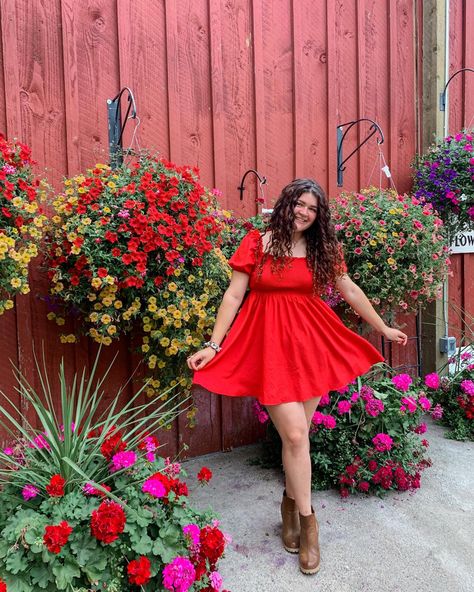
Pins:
<point x="310" y="558"/>
<point x="290" y="532"/>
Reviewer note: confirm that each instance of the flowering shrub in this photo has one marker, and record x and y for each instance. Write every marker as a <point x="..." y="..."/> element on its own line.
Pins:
<point x="366" y="437"/>
<point x="394" y="246"/>
<point x="234" y="229"/>
<point x="136" y="246"/>
<point x="444" y="177"/>
<point x="454" y="395"/>
<point x="21" y="220"/>
<point x="91" y="506"/>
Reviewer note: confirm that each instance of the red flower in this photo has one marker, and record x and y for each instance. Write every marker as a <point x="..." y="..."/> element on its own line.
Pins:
<point x="55" y="537"/>
<point x="3" y="586"/>
<point x="212" y="543"/>
<point x="56" y="486"/>
<point x="139" y="571"/>
<point x="102" y="272"/>
<point x="204" y="475"/>
<point x="112" y="444"/>
<point x="107" y="522"/>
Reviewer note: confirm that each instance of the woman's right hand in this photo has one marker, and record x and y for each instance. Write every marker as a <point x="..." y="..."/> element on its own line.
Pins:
<point x="198" y="360"/>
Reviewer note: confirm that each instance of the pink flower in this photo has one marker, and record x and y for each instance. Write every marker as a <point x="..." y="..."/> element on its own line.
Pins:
<point x="402" y="382"/>
<point x="421" y="429"/>
<point x="29" y="492"/>
<point x="39" y="442"/>
<point x="216" y="580"/>
<point x="424" y="403"/>
<point x="355" y="396"/>
<point x="123" y="460"/>
<point x="382" y="442"/>
<point x="8" y="451"/>
<point x="329" y="422"/>
<point x="374" y="407"/>
<point x="154" y="487"/>
<point x="325" y="400"/>
<point x="179" y="575"/>
<point x="192" y="532"/>
<point x="437" y="412"/>
<point x="363" y="486"/>
<point x="408" y="404"/>
<point x="432" y="380"/>
<point x="150" y="457"/>
<point x="366" y="392"/>
<point x="467" y="386"/>
<point x="318" y="417"/>
<point x="343" y="407"/>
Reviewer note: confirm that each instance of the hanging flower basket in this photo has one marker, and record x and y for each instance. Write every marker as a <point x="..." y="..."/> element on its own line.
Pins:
<point x="136" y="248"/>
<point x="393" y="246"/>
<point x="444" y="177"/>
<point x="21" y="220"/>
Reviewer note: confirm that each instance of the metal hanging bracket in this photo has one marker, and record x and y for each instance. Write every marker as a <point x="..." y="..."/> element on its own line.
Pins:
<point x="262" y="180"/>
<point x="341" y="134"/>
<point x="116" y="128"/>
<point x="442" y="95"/>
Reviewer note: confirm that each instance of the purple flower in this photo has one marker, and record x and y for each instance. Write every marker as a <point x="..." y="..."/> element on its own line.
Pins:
<point x="402" y="382"/>
<point x="343" y="407"/>
<point x="408" y="404"/>
<point x="179" y="575"/>
<point x="432" y="380"/>
<point x="424" y="403"/>
<point x="123" y="460"/>
<point x="382" y="442"/>
<point x="374" y="407"/>
<point x="437" y="412"/>
<point x="467" y="386"/>
<point x="29" y="492"/>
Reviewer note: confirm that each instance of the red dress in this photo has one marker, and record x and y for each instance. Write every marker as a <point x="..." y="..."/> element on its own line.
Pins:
<point x="285" y="344"/>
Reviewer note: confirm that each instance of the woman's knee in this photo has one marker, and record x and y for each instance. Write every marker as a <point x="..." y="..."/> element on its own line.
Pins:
<point x="296" y="437"/>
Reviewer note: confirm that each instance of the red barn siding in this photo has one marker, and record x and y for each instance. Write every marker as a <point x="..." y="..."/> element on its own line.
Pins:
<point x="225" y="86"/>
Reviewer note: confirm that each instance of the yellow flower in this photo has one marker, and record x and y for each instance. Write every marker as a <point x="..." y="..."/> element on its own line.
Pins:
<point x="93" y="317"/>
<point x="145" y="348"/>
<point x="172" y="287"/>
<point x="60" y="321"/>
<point x="373" y="243"/>
<point x="15" y="282"/>
<point x="86" y="221"/>
<point x="147" y="327"/>
<point x="152" y="307"/>
<point x="50" y="316"/>
<point x="164" y="342"/>
<point x="106" y="319"/>
<point x="106" y="340"/>
<point x="112" y="330"/>
<point x="191" y="279"/>
<point x="91" y="297"/>
<point x="369" y="265"/>
<point x="392" y="211"/>
<point x="391" y="261"/>
<point x="178" y="324"/>
<point x="118" y="304"/>
<point x="177" y="314"/>
<point x="96" y="282"/>
<point x="166" y="294"/>
<point x="161" y="364"/>
<point x="8" y="304"/>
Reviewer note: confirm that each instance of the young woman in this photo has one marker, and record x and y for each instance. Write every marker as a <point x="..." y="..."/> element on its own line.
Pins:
<point x="287" y="347"/>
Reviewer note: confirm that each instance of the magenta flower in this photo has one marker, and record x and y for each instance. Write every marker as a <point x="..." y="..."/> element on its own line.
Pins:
<point x="39" y="442"/>
<point x="382" y="442"/>
<point x="123" y="460"/>
<point x="402" y="382"/>
<point x="179" y="575"/>
<point x="29" y="492"/>
<point x="374" y="407"/>
<point x="8" y="451"/>
<point x="343" y="407"/>
<point x="355" y="397"/>
<point x="325" y="400"/>
<point x="192" y="531"/>
<point x="329" y="422"/>
<point x="154" y="487"/>
<point x="437" y="412"/>
<point x="366" y="392"/>
<point x="216" y="580"/>
<point x="318" y="417"/>
<point x="421" y="429"/>
<point x="150" y="456"/>
<point x="408" y="404"/>
<point x="424" y="403"/>
<point x="467" y="386"/>
<point x="433" y="380"/>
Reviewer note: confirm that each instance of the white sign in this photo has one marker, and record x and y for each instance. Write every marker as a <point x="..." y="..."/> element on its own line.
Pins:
<point x="463" y="242"/>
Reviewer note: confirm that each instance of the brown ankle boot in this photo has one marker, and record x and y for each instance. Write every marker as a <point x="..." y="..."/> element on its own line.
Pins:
<point x="309" y="544"/>
<point x="290" y="532"/>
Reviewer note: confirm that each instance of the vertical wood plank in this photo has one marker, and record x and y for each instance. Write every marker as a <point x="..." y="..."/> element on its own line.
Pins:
<point x="172" y="65"/>
<point x="259" y="95"/>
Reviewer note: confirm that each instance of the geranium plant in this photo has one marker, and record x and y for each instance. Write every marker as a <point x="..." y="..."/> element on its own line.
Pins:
<point x="367" y="437"/>
<point x="454" y="395"/>
<point x="444" y="177"/>
<point x="21" y="220"/>
<point x="136" y="248"/>
<point x="87" y="503"/>
<point x="393" y="246"/>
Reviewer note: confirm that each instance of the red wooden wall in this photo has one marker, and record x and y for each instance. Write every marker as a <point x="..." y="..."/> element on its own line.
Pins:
<point x="224" y="85"/>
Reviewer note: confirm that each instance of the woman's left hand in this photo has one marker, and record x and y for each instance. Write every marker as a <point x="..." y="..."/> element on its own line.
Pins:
<point x="395" y="335"/>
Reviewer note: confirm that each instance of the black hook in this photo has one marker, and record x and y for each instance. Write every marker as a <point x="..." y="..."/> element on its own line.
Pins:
<point x="340" y="139"/>
<point x="442" y="95"/>
<point x="241" y="188"/>
<point x="116" y="128"/>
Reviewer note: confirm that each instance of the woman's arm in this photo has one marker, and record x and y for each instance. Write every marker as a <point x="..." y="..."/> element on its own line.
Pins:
<point x="229" y="307"/>
<point x="359" y="302"/>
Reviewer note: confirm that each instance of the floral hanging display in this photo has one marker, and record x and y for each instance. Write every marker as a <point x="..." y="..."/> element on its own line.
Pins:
<point x="136" y="247"/>
<point x="21" y="220"/>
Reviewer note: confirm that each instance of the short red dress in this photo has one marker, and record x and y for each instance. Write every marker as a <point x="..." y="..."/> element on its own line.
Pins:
<point x="286" y="344"/>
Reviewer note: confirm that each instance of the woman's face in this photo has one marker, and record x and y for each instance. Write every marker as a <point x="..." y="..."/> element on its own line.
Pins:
<point x="306" y="210"/>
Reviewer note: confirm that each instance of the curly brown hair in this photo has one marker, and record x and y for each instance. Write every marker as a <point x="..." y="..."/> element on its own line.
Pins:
<point x="323" y="251"/>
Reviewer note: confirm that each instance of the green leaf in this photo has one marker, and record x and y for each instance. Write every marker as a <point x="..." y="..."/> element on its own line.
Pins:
<point x="95" y="567"/>
<point x="65" y="573"/>
<point x="16" y="562"/>
<point x="143" y="546"/>
<point x="41" y="576"/>
<point x="84" y="547"/>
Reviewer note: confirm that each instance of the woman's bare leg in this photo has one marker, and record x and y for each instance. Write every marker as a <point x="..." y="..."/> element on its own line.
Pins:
<point x="291" y="422"/>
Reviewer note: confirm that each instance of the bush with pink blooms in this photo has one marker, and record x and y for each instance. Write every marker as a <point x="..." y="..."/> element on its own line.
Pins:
<point x="367" y="437"/>
<point x="454" y="396"/>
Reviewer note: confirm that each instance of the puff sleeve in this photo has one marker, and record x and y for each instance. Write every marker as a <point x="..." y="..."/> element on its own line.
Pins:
<point x="245" y="256"/>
